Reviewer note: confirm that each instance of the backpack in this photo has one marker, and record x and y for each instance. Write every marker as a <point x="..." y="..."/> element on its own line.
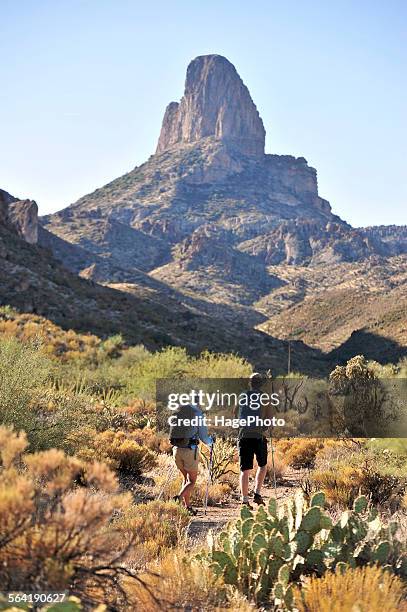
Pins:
<point x="178" y="433"/>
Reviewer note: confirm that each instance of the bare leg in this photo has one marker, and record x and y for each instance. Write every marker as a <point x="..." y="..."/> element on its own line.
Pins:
<point x="260" y="476"/>
<point x="189" y="484"/>
<point x="244" y="483"/>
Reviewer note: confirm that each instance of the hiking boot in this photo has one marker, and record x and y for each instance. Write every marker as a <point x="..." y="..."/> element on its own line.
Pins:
<point x="192" y="511"/>
<point x="248" y="504"/>
<point x="257" y="498"/>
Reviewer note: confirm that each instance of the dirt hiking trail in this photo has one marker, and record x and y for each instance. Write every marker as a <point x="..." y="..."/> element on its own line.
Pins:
<point x="217" y="516"/>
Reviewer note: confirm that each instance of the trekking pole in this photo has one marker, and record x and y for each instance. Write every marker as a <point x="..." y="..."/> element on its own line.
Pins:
<point x="274" y="468"/>
<point x="209" y="476"/>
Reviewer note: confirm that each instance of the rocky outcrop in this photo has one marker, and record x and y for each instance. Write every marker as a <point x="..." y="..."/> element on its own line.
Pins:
<point x="216" y="103"/>
<point x="19" y="215"/>
<point x="300" y="242"/>
<point x="23" y="215"/>
<point x="5" y="199"/>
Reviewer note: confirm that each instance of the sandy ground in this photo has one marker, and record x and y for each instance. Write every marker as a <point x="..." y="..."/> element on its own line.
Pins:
<point x="217" y="516"/>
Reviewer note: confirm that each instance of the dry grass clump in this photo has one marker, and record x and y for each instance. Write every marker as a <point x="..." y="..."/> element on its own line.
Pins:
<point x="218" y="493"/>
<point x="341" y="486"/>
<point x="178" y="582"/>
<point x="347" y="468"/>
<point x="280" y="468"/>
<point x="367" y="589"/>
<point x="155" y="527"/>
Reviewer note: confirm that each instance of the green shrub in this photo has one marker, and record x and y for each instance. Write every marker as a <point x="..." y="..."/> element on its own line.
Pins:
<point x="170" y="362"/>
<point x="219" y="365"/>
<point x="23" y="372"/>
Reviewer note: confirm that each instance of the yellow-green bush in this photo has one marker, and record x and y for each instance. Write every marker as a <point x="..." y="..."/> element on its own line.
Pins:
<point x="115" y="448"/>
<point x="366" y="589"/>
<point x="54" y="341"/>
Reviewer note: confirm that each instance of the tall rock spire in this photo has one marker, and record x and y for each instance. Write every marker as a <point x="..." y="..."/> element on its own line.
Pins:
<point x="217" y="104"/>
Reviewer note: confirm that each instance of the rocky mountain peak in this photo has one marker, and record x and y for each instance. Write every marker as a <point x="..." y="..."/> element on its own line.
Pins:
<point x="19" y="215"/>
<point x="216" y="103"/>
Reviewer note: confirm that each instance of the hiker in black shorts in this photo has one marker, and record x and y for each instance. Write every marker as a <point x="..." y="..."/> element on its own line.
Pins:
<point x="251" y="443"/>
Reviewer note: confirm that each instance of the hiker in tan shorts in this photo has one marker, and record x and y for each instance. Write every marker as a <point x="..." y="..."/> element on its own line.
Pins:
<point x="185" y="441"/>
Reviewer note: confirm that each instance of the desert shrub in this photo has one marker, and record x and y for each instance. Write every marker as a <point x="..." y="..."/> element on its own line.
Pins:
<point x="157" y="442"/>
<point x="224" y="459"/>
<point x="56" y="535"/>
<point x="155" y="527"/>
<point x="55" y="342"/>
<point x="112" y="347"/>
<point x="30" y="400"/>
<point x="142" y="413"/>
<point x="131" y="356"/>
<point x="219" y="365"/>
<point x="171" y="362"/>
<point x="299" y="452"/>
<point x="115" y="448"/>
<point x="366" y="589"/>
<point x="267" y="553"/>
<point x="177" y="581"/>
<point x="23" y="371"/>
<point x="341" y="486"/>
<point x="377" y="473"/>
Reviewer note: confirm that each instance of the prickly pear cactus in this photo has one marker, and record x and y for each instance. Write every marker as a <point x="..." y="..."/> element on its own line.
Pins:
<point x="265" y="554"/>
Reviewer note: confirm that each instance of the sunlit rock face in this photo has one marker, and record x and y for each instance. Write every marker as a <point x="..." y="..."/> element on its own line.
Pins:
<point x="216" y="103"/>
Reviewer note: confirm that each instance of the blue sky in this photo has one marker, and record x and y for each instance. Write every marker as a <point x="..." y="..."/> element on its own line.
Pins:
<point x="84" y="85"/>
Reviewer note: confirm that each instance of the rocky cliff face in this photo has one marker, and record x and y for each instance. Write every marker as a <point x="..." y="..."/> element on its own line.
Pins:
<point x="19" y="215"/>
<point x="23" y="214"/>
<point x="216" y="103"/>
